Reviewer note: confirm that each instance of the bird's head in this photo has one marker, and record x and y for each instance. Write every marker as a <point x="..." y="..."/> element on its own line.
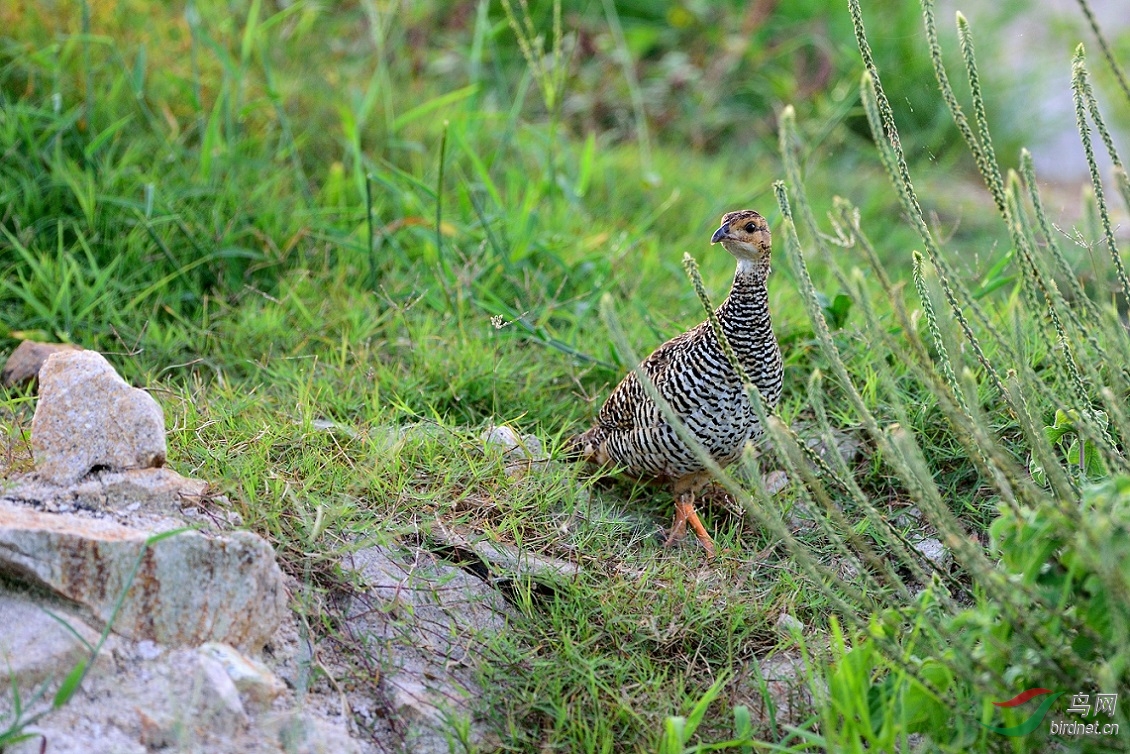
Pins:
<point x="745" y="234"/>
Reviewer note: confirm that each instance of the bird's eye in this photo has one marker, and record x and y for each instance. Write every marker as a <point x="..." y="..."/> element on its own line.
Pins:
<point x="749" y="227"/>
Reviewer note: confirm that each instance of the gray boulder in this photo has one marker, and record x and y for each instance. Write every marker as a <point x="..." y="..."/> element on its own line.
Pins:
<point x="88" y="417"/>
<point x="189" y="588"/>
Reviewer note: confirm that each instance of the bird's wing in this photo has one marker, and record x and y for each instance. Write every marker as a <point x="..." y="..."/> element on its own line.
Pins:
<point x="628" y="406"/>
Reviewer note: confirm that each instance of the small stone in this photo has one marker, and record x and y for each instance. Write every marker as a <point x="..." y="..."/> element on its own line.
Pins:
<point x="325" y="425"/>
<point x="775" y="481"/>
<point x="432" y="621"/>
<point x="514" y="446"/>
<point x="298" y="732"/>
<point x="154" y="735"/>
<point x="788" y="624"/>
<point x="934" y="551"/>
<point x="127" y="493"/>
<point x="22" y="367"/>
<point x="222" y="687"/>
<point x="87" y="417"/>
<point x="255" y="682"/>
<point x="848" y="571"/>
<point x="148" y="650"/>
<point x="910" y="516"/>
<point x="847" y="445"/>
<point x="196" y="699"/>
<point x="779" y="689"/>
<point x="507" y="561"/>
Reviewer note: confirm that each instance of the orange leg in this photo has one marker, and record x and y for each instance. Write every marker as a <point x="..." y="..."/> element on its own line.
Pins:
<point x="699" y="529"/>
<point x="684" y="514"/>
<point x="679" y="528"/>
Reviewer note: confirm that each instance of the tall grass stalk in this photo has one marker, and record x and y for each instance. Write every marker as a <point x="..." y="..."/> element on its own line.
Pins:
<point x="1081" y="89"/>
<point x="549" y="68"/>
<point x="1115" y="68"/>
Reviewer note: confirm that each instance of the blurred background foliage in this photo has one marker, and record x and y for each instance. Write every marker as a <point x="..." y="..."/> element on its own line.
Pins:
<point x="177" y="157"/>
<point x="165" y="161"/>
<point x="709" y="75"/>
<point x="294" y="105"/>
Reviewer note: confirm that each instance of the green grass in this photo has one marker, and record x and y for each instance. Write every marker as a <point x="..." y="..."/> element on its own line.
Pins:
<point x="335" y="258"/>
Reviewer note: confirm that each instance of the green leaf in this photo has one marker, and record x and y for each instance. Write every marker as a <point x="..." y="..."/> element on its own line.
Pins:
<point x="249" y="32"/>
<point x="1092" y="465"/>
<point x="433" y="104"/>
<point x="1064" y="424"/>
<point x="139" y="72"/>
<point x="1039" y="476"/>
<point x="70" y="684"/>
<point x="584" y="171"/>
<point x="212" y="143"/>
<point x="995" y="277"/>
<point x="11" y="737"/>
<point x="841" y="306"/>
<point x="703" y="704"/>
<point x="743" y="727"/>
<point x="673" y="739"/>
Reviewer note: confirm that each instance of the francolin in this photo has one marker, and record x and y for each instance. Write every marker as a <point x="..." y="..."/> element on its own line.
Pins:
<point x="692" y="373"/>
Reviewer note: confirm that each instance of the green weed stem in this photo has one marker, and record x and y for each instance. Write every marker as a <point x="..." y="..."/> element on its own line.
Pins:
<point x="1080" y="87"/>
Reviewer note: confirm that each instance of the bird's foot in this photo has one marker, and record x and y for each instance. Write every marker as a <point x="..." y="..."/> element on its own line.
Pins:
<point x="679" y="528"/>
<point x="684" y="514"/>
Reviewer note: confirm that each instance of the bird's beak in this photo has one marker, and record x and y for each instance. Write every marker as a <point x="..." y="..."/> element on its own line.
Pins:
<point x="719" y="234"/>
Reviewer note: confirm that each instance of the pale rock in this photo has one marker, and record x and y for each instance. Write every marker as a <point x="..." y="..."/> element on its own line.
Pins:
<point x="190" y="698"/>
<point x="775" y="481"/>
<point x="325" y="425"/>
<point x="88" y="417"/>
<point x="137" y="490"/>
<point x="84" y="737"/>
<point x="36" y="648"/>
<point x="506" y="562"/>
<point x="219" y="688"/>
<point x="22" y="367"/>
<point x="148" y="650"/>
<point x="513" y="445"/>
<point x="432" y="622"/>
<point x="778" y="689"/>
<point x="182" y="702"/>
<point x="520" y="452"/>
<point x="847" y="570"/>
<point x="847" y="444"/>
<point x="297" y="732"/>
<point x="789" y="624"/>
<point x="190" y="588"/>
<point x="255" y="682"/>
<point x="934" y="551"/>
<point x="909" y="517"/>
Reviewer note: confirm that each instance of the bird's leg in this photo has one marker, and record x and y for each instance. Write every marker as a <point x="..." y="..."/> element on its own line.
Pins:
<point x="684" y="514"/>
<point x="679" y="528"/>
<point x="699" y="529"/>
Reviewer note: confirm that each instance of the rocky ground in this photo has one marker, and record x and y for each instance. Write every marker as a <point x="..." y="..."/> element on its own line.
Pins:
<point x="109" y="559"/>
<point x="193" y="638"/>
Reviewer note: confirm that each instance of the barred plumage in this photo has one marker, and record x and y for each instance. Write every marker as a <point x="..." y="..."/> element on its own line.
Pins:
<point x="692" y="373"/>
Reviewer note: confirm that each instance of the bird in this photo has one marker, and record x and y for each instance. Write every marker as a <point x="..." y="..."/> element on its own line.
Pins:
<point x="691" y="371"/>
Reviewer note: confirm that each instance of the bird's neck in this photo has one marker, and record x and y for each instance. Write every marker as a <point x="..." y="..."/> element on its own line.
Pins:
<point x="749" y="296"/>
<point x="744" y="316"/>
<point x="752" y="272"/>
